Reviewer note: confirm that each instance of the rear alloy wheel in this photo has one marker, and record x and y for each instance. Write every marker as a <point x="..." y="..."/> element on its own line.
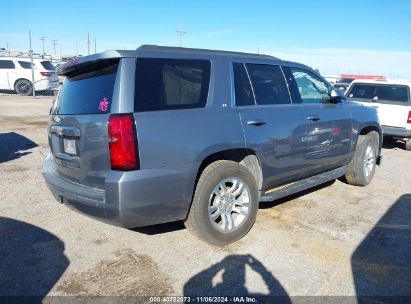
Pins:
<point x="224" y="205"/>
<point x="23" y="87"/>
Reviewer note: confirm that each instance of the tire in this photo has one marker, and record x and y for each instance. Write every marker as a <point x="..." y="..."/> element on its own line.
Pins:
<point x="361" y="169"/>
<point x="408" y="144"/>
<point x="210" y="196"/>
<point x="23" y="87"/>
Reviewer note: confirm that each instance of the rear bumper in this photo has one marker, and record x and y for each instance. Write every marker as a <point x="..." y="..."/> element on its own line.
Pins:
<point x="393" y="131"/>
<point x="130" y="199"/>
<point x="46" y="84"/>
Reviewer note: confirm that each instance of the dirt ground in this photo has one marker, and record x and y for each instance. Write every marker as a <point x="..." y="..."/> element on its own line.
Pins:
<point x="335" y="240"/>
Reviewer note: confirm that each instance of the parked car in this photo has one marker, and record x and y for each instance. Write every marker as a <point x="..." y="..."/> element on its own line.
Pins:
<point x="16" y="75"/>
<point x="164" y="134"/>
<point x="341" y="86"/>
<point x="392" y="101"/>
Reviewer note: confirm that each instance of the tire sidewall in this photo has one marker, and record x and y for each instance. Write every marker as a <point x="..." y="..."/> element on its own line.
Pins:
<point x="368" y="142"/>
<point x="221" y="173"/>
<point x="30" y="90"/>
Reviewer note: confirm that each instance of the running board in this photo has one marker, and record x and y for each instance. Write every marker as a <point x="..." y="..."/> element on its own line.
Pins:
<point x="288" y="189"/>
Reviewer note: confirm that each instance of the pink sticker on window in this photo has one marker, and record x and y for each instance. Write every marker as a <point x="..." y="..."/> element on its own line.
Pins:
<point x="103" y="106"/>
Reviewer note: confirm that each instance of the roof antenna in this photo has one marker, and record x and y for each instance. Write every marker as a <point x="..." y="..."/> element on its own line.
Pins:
<point x="180" y="34"/>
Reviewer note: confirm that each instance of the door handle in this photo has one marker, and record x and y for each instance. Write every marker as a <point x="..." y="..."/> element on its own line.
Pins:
<point x="313" y="117"/>
<point x="256" y="122"/>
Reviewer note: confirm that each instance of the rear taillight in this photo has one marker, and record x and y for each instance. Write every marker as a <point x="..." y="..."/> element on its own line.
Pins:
<point x="409" y="118"/>
<point x="46" y="74"/>
<point x="122" y="142"/>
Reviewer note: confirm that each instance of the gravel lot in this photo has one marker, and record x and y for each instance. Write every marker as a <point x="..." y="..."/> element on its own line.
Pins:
<point x="335" y="240"/>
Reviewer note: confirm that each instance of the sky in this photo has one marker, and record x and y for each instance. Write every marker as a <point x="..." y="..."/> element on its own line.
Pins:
<point x="367" y="37"/>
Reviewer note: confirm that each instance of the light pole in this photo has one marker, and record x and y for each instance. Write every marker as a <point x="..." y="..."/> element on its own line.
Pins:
<point x="32" y="65"/>
<point x="42" y="41"/>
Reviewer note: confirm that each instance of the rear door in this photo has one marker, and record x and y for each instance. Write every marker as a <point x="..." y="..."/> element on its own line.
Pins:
<point x="78" y="125"/>
<point x="391" y="101"/>
<point x="6" y="67"/>
<point x="329" y="126"/>
<point x="273" y="126"/>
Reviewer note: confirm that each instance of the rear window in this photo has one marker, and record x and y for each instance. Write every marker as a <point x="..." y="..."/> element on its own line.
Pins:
<point x="391" y="93"/>
<point x="26" y="64"/>
<point x="169" y="84"/>
<point x="47" y="65"/>
<point x="88" y="92"/>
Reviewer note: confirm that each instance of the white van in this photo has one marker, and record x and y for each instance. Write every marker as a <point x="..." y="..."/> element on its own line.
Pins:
<point x="392" y="101"/>
<point x="15" y="75"/>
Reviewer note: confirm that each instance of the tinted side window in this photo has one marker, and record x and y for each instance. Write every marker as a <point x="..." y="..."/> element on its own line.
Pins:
<point x="269" y="84"/>
<point x="394" y="93"/>
<point x="25" y="64"/>
<point x="363" y="91"/>
<point x="167" y="84"/>
<point x="6" y="64"/>
<point x="243" y="92"/>
<point x="311" y="87"/>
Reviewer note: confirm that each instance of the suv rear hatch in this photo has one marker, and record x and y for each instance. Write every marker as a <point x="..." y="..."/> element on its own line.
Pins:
<point x="78" y="136"/>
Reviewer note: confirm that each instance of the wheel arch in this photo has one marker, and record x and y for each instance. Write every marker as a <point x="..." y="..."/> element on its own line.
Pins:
<point x="244" y="156"/>
<point x="21" y="78"/>
<point x="369" y="128"/>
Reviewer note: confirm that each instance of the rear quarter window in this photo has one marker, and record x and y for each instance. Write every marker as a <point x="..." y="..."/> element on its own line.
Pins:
<point x="26" y="64"/>
<point x="87" y="92"/>
<point x="170" y="84"/>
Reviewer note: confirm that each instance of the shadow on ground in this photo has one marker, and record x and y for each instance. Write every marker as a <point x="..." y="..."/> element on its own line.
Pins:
<point x="13" y="146"/>
<point x="390" y="143"/>
<point x="160" y="228"/>
<point x="381" y="264"/>
<point x="228" y="278"/>
<point x="32" y="260"/>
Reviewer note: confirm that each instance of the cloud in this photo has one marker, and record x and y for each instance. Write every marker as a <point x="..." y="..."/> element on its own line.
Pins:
<point x="395" y="64"/>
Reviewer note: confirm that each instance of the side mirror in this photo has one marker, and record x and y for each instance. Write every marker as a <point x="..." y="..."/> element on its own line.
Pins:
<point x="337" y="95"/>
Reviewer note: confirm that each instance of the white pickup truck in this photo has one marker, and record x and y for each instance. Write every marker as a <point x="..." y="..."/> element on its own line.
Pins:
<point x="392" y="101"/>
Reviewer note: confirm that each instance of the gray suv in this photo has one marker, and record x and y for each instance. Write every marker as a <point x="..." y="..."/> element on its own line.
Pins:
<point x="163" y="134"/>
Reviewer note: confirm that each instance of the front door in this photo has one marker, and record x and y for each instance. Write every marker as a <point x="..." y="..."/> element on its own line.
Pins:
<point x="329" y="127"/>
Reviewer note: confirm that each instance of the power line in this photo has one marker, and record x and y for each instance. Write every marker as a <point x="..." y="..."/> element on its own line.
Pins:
<point x="181" y="33"/>
<point x="42" y="41"/>
<point x="54" y="43"/>
<point x="88" y="43"/>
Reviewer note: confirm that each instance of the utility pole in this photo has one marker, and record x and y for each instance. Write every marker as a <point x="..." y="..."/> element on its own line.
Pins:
<point x="7" y="46"/>
<point x="54" y="45"/>
<point x="42" y="41"/>
<point x="88" y="43"/>
<point x="95" y="46"/>
<point x="180" y="34"/>
<point x="32" y="66"/>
